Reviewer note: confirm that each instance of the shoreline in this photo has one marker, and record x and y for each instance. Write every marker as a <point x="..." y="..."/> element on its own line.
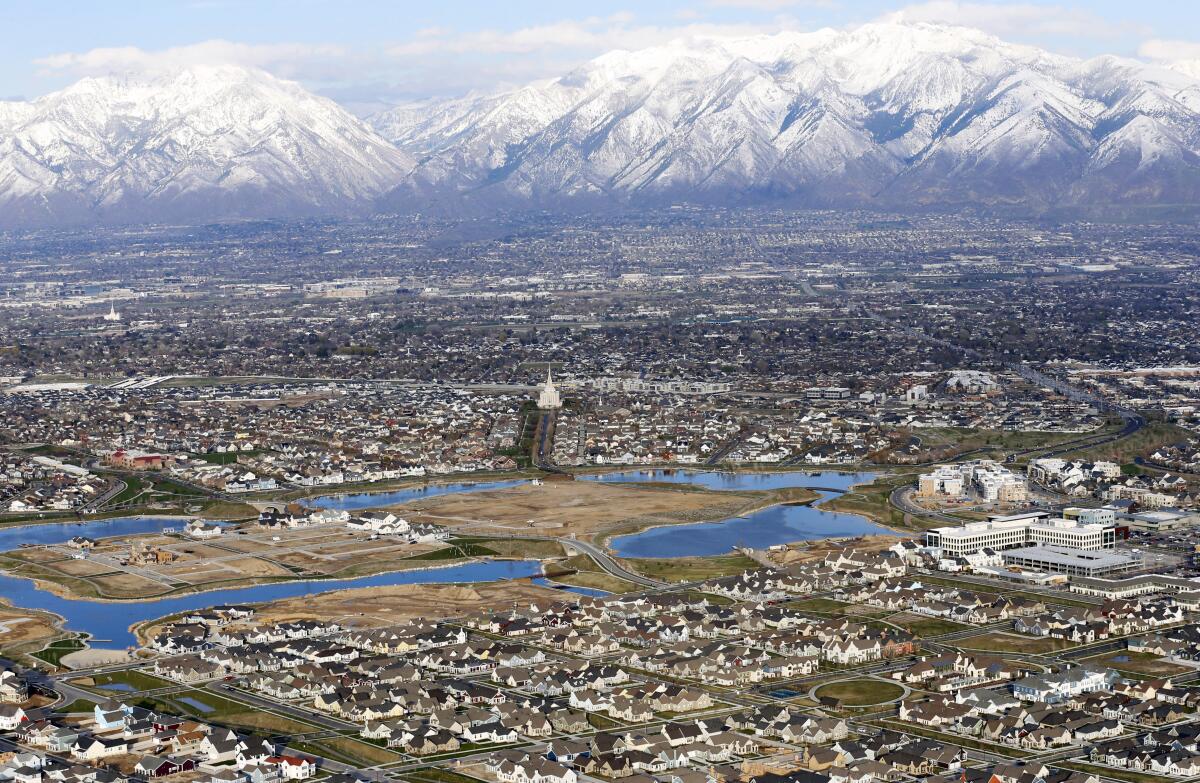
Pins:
<point x="95" y="519"/>
<point x="49" y="587"/>
<point x="137" y="629"/>
<point x="604" y="542"/>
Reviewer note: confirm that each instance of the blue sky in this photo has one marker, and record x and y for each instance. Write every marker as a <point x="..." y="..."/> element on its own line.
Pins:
<point x="367" y="53"/>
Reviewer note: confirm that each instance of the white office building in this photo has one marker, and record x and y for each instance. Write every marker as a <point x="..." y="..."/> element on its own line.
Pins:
<point x="1034" y="528"/>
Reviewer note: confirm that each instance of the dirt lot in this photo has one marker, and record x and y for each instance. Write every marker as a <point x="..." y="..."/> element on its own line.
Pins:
<point x="24" y="630"/>
<point x="586" y="509"/>
<point x="380" y="606"/>
<point x="237" y="558"/>
<point x="808" y="551"/>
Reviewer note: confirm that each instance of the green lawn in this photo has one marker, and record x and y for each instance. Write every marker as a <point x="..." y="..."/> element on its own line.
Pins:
<point x="872" y="501"/>
<point x="133" y="678"/>
<point x="79" y="705"/>
<point x="455" y="551"/>
<point x="858" y="693"/>
<point x="55" y="651"/>
<point x="226" y="712"/>
<point x="827" y="605"/>
<point x="1139" y="663"/>
<point x="133" y="488"/>
<point x="438" y="775"/>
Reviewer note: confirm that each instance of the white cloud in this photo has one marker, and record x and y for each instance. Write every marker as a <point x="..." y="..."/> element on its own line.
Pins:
<point x="1167" y="50"/>
<point x="311" y="61"/>
<point x="577" y="38"/>
<point x="1014" y="19"/>
<point x="773" y="5"/>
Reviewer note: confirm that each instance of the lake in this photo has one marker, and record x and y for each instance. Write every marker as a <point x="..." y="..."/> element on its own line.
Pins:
<point x="108" y="622"/>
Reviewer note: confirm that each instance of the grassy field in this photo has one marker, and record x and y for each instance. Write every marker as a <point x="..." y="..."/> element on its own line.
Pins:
<point x="951" y="739"/>
<point x="690" y="569"/>
<point x="926" y="626"/>
<point x="1142" y="443"/>
<point x="134" y="679"/>
<point x="823" y="605"/>
<point x="348" y="750"/>
<point x="226" y="712"/>
<point x="871" y="501"/>
<point x="1139" y="663"/>
<point x="857" y="693"/>
<point x="1006" y="642"/>
<point x="958" y="439"/>
<point x="133" y="488"/>
<point x="55" y="651"/>
<point x="582" y="571"/>
<point x="438" y="775"/>
<point x="1119" y="774"/>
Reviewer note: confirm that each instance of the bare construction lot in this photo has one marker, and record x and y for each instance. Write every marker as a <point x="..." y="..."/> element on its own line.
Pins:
<point x="583" y="509"/>
<point x="173" y="564"/>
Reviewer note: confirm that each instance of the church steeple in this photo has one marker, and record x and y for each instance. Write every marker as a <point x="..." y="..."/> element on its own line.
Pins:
<point x="548" y="397"/>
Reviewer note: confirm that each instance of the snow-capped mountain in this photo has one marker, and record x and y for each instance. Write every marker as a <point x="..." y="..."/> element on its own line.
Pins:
<point x="194" y="144"/>
<point x="886" y="114"/>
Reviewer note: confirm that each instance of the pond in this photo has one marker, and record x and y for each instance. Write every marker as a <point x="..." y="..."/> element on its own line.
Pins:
<point x="727" y="480"/>
<point x="61" y="532"/>
<point x="362" y="500"/>
<point x="758" y="530"/>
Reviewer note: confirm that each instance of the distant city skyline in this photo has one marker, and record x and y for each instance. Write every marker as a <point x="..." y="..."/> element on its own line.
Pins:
<point x="370" y="54"/>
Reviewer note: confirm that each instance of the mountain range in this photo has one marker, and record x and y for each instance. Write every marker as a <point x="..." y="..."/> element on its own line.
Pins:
<point x="892" y="116"/>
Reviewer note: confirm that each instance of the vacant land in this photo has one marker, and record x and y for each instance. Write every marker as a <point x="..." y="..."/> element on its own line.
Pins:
<point x="138" y="567"/>
<point x="582" y="571"/>
<point x="380" y="606"/>
<point x="1140" y="444"/>
<point x="586" y="509"/>
<point x="224" y="711"/>
<point x="138" y="681"/>
<point x="922" y="626"/>
<point x="871" y="501"/>
<point x="1139" y="663"/>
<point x="998" y="641"/>
<point x="26" y="631"/>
<point x="690" y="569"/>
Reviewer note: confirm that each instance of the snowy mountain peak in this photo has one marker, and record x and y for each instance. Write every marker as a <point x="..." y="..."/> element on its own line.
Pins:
<point x="892" y="115"/>
<point x="202" y="142"/>
<point x="889" y="114"/>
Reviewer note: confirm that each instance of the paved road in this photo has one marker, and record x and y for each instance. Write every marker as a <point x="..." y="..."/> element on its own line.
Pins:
<point x="605" y="561"/>
<point x="291" y="710"/>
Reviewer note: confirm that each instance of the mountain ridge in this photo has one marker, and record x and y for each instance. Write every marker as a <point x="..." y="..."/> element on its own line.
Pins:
<point x="886" y="115"/>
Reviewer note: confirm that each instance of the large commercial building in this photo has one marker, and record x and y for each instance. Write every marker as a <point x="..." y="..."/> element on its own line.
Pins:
<point x="1073" y="562"/>
<point x="992" y="481"/>
<point x="1033" y="528"/>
